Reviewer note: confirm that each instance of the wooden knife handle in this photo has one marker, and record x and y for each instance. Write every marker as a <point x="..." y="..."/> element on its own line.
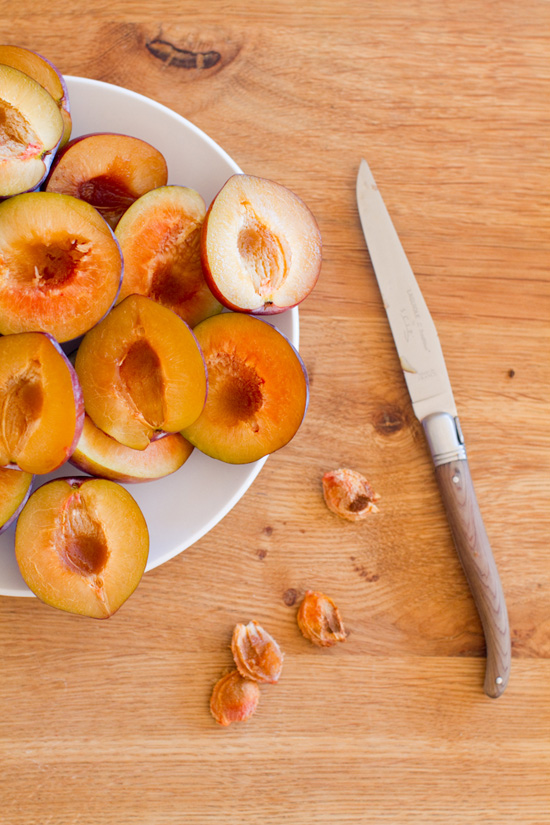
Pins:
<point x="475" y="554"/>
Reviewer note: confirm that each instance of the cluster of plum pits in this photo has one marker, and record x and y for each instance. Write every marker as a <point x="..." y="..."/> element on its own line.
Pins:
<point x="128" y="335"/>
<point x="258" y="657"/>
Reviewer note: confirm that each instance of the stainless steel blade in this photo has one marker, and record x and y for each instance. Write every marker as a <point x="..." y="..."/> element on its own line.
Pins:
<point x="411" y="324"/>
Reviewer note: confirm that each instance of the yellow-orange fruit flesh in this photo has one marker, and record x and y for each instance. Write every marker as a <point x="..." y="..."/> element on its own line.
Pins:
<point x="257" y="389"/>
<point x="82" y="548"/>
<point x="61" y="265"/>
<point x="41" y="409"/>
<point x="100" y="455"/>
<point x="43" y="72"/>
<point x="14" y="486"/>
<point x="261" y="246"/>
<point x="109" y="171"/>
<point x="159" y="236"/>
<point x="31" y="126"/>
<point x="142" y="372"/>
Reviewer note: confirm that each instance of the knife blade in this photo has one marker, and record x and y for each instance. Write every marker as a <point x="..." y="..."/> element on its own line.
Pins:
<point x="429" y="387"/>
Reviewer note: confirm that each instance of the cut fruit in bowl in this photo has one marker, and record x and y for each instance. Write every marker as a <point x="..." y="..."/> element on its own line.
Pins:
<point x="109" y="171"/>
<point x="41" y="407"/>
<point x="176" y="509"/>
<point x="45" y="73"/>
<point x="63" y="265"/>
<point x="31" y="127"/>
<point x="258" y="389"/>
<point x="82" y="545"/>
<point x="159" y="237"/>
<point x="15" y="488"/>
<point x="142" y="372"/>
<point x="261" y="246"/>
<point x="100" y="455"/>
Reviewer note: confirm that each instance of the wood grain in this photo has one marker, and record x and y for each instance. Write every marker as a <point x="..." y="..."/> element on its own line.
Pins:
<point x="109" y="721"/>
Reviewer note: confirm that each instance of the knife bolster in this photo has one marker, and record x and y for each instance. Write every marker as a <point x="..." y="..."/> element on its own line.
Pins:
<point x="444" y="438"/>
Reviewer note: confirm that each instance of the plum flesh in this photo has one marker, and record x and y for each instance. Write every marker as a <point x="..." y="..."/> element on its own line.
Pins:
<point x="260" y="246"/>
<point x="159" y="236"/>
<point x="142" y="372"/>
<point x="31" y="127"/>
<point x="257" y="389"/>
<point x="41" y="406"/>
<point x="45" y="73"/>
<point x="107" y="170"/>
<point x="62" y="265"/>
<point x="15" y="488"/>
<point x="82" y="545"/>
<point x="100" y="455"/>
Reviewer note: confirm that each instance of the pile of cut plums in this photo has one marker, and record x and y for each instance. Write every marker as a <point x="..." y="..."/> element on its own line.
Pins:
<point x="129" y="334"/>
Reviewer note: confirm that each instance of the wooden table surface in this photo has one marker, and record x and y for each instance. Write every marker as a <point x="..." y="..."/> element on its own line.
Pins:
<point x="109" y="721"/>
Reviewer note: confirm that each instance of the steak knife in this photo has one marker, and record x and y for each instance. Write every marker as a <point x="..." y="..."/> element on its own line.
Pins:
<point x="423" y="366"/>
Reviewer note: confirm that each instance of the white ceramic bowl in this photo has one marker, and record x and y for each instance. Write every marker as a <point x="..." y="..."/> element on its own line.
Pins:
<point x="183" y="507"/>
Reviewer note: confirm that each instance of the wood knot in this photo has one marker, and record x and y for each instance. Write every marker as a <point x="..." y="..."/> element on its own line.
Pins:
<point x="182" y="58"/>
<point x="389" y="420"/>
<point x="290" y="596"/>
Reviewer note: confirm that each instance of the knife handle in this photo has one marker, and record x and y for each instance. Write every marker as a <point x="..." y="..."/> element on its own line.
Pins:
<point x="475" y="554"/>
<point x="472" y="545"/>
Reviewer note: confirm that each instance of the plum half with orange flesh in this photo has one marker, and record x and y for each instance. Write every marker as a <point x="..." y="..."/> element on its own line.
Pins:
<point x="257" y="389"/>
<point x="108" y="171"/>
<point x="45" y="73"/>
<point x="82" y="545"/>
<point x="15" y="488"/>
<point x="61" y="265"/>
<point x="159" y="236"/>
<point x="142" y="372"/>
<point x="31" y="127"/>
<point x="100" y="455"/>
<point x="41" y="406"/>
<point x="261" y="246"/>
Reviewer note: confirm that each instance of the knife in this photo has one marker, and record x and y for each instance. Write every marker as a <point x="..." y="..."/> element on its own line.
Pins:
<point x="432" y="399"/>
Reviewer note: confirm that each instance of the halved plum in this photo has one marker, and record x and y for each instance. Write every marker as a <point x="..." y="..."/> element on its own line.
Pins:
<point x="62" y="265"/>
<point x="142" y="372"/>
<point x="82" y="545"/>
<point x="45" y="73"/>
<point x="31" y="127"/>
<point x="160" y="240"/>
<point x="15" y="488"/>
<point x="100" y="455"/>
<point x="257" y="389"/>
<point x="261" y="246"/>
<point x="41" y="406"/>
<point x="108" y="171"/>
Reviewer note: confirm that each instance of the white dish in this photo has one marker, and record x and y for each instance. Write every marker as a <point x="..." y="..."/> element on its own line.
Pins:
<point x="181" y="508"/>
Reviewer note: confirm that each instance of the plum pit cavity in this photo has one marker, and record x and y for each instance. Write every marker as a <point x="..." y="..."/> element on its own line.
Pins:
<point x="105" y="192"/>
<point x="141" y="375"/>
<point x="21" y="407"/>
<point x="178" y="254"/>
<point x="263" y="253"/>
<point x="52" y="265"/>
<point x="83" y="544"/>
<point x="238" y="388"/>
<point x="15" y="132"/>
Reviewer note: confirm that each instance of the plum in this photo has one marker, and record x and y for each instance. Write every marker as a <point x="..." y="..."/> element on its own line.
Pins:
<point x="45" y="73"/>
<point x="62" y="265"/>
<point x="82" y="545"/>
<point x="107" y="170"/>
<point x="142" y="372"/>
<point x="41" y="406"/>
<point x="31" y="127"/>
<point x="260" y="247"/>
<point x="15" y="488"/>
<point x="100" y="455"/>
<point x="257" y="389"/>
<point x="159" y="236"/>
